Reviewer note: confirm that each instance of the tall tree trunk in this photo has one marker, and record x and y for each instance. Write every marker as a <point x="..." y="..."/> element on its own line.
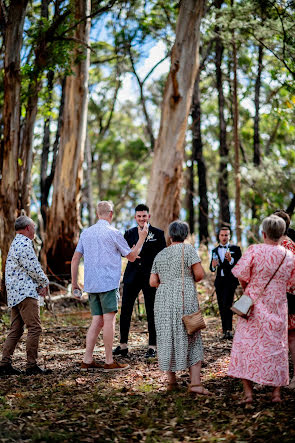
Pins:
<point x="11" y="115"/>
<point x="290" y="209"/>
<point x="165" y="180"/>
<point x="198" y="157"/>
<point x="46" y="180"/>
<point x="26" y="146"/>
<point x="63" y="221"/>
<point x="256" y="138"/>
<point x="89" y="196"/>
<point x="224" y="213"/>
<point x="237" y="146"/>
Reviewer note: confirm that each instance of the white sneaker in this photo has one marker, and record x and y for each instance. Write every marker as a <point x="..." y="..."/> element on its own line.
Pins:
<point x="292" y="383"/>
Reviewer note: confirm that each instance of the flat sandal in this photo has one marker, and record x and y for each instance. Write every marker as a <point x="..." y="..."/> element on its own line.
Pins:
<point x="203" y="392"/>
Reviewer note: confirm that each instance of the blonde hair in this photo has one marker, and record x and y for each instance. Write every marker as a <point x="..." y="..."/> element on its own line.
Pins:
<point x="104" y="207"/>
<point x="274" y="227"/>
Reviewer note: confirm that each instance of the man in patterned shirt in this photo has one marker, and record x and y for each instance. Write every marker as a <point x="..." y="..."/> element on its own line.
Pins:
<point x="102" y="247"/>
<point x="25" y="281"/>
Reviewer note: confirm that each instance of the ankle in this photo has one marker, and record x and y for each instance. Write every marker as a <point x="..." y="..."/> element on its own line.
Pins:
<point x="123" y="345"/>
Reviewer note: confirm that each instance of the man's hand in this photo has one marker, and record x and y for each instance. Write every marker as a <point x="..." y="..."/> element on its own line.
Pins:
<point x="42" y="291"/>
<point x="227" y="256"/>
<point x="142" y="233"/>
<point x="215" y="263"/>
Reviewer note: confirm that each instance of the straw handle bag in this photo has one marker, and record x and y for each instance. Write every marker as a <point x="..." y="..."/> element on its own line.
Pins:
<point x="192" y="322"/>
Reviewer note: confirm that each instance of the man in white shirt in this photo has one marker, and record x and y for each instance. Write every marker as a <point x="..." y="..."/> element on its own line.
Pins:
<point x="25" y="282"/>
<point x="224" y="258"/>
<point x="102" y="247"/>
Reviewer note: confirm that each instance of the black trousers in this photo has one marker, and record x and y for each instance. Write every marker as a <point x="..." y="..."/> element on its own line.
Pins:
<point x="225" y="291"/>
<point x="130" y="292"/>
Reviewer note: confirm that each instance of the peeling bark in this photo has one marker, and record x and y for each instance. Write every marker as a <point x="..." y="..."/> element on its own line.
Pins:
<point x="63" y="221"/>
<point x="166" y="174"/>
<point x="15" y="16"/>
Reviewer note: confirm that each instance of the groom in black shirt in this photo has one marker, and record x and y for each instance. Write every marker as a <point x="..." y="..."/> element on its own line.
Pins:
<point x="136" y="278"/>
<point x="224" y="258"/>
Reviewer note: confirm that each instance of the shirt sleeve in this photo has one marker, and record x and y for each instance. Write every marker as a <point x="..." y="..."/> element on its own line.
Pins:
<point x="80" y="247"/>
<point x="192" y="255"/>
<point x="29" y="261"/>
<point x="242" y="270"/>
<point x="122" y="244"/>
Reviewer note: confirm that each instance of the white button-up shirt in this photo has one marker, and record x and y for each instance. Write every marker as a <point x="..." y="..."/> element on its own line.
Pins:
<point x="102" y="247"/>
<point x="23" y="272"/>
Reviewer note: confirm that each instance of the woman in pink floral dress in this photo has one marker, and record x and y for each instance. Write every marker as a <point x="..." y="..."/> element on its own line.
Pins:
<point x="260" y="347"/>
<point x="289" y="244"/>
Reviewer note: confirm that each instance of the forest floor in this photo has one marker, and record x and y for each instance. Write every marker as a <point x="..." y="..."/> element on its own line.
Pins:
<point x="131" y="405"/>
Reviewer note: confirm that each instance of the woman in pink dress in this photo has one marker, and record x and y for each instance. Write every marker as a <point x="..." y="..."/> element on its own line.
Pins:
<point x="260" y="347"/>
<point x="289" y="244"/>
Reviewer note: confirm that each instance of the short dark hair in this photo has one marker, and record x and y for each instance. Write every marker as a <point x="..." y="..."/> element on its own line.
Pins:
<point x="285" y="216"/>
<point x="223" y="228"/>
<point x="142" y="207"/>
<point x="178" y="230"/>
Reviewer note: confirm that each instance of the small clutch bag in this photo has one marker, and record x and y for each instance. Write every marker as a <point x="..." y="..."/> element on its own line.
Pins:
<point x="242" y="306"/>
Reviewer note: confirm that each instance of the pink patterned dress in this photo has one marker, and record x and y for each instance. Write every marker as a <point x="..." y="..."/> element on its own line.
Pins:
<point x="260" y="346"/>
<point x="289" y="244"/>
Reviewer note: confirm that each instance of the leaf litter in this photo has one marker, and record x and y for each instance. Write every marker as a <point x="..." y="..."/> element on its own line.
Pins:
<point x="132" y="405"/>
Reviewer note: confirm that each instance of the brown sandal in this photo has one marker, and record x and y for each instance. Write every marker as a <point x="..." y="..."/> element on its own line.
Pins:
<point x="203" y="390"/>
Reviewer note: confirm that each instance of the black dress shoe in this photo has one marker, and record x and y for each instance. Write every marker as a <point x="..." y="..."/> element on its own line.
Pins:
<point x="119" y="351"/>
<point x="150" y="353"/>
<point x="36" y="370"/>
<point x="9" y="370"/>
<point x="229" y="335"/>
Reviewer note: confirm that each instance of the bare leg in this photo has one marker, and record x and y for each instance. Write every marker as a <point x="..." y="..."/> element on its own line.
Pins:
<point x="248" y="391"/>
<point x="276" y="395"/>
<point x="195" y="375"/>
<point x="171" y="377"/>
<point x="109" y="320"/>
<point x="91" y="337"/>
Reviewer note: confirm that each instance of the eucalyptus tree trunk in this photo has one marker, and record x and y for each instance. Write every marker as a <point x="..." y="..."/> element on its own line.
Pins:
<point x="14" y="18"/>
<point x="224" y="213"/>
<point x="198" y="157"/>
<point x="63" y="222"/>
<point x="237" y="147"/>
<point x="166" y="173"/>
<point x="256" y="137"/>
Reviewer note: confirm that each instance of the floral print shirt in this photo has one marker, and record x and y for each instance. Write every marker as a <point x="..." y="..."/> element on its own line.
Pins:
<point x="23" y="272"/>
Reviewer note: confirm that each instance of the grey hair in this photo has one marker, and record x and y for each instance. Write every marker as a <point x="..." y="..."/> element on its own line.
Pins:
<point x="22" y="222"/>
<point x="178" y="230"/>
<point x="104" y="207"/>
<point x="274" y="227"/>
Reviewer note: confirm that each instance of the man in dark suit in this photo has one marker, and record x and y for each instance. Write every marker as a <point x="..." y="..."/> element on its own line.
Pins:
<point x="136" y="278"/>
<point x="224" y="258"/>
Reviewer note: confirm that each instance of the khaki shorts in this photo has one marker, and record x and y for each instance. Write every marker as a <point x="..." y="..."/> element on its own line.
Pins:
<point x="104" y="302"/>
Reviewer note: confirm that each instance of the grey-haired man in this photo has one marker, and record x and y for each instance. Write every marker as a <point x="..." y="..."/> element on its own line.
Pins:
<point x="25" y="282"/>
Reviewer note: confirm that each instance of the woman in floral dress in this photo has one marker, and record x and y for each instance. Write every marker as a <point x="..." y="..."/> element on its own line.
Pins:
<point x="290" y="245"/>
<point x="260" y="347"/>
